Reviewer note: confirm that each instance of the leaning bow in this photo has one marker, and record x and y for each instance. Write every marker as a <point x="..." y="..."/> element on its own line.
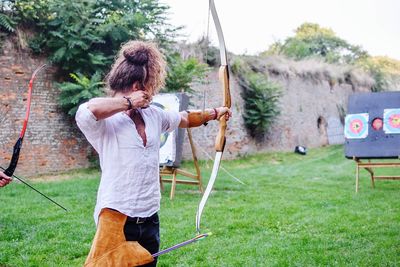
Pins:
<point x="220" y="140"/>
<point x="18" y="145"/>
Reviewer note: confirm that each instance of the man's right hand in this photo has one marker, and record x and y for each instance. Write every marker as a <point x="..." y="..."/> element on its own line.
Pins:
<point x="4" y="179"/>
<point x="140" y="99"/>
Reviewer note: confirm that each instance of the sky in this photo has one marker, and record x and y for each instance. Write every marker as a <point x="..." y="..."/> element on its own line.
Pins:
<point x="250" y="26"/>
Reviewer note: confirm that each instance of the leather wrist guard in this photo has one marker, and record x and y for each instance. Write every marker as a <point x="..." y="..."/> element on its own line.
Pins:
<point x="198" y="117"/>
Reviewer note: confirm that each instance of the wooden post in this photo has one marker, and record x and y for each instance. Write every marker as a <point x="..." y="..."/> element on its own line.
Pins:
<point x="372" y="175"/>
<point x="173" y="185"/>
<point x="357" y="173"/>
<point x="196" y="163"/>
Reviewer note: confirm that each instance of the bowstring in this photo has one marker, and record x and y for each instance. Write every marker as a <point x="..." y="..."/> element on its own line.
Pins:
<point x="208" y="83"/>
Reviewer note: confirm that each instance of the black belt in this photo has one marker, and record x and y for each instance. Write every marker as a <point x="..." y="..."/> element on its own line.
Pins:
<point x="139" y="220"/>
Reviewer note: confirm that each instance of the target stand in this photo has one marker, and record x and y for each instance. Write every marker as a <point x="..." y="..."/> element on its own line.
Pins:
<point x="171" y="146"/>
<point x="192" y="178"/>
<point x="372" y="132"/>
<point x="369" y="167"/>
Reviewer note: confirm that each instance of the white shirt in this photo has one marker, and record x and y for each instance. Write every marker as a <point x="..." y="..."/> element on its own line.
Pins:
<point x="130" y="171"/>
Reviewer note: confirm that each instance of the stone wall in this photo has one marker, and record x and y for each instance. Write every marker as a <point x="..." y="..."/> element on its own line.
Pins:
<point x="310" y="116"/>
<point x="52" y="142"/>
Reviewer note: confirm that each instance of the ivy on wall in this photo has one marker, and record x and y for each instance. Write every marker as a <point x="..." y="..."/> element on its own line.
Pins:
<point x="261" y="99"/>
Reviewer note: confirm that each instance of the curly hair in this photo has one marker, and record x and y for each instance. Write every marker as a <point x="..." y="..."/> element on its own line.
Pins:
<point x="140" y="62"/>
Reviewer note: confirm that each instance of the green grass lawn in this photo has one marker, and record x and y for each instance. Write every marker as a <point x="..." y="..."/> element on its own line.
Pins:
<point x="293" y="211"/>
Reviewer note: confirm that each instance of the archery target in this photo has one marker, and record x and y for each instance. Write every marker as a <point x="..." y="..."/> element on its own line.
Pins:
<point x="391" y="121"/>
<point x="383" y="140"/>
<point x="167" y="102"/>
<point x="356" y="126"/>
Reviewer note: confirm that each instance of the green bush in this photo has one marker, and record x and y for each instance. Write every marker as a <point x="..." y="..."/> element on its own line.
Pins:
<point x="6" y="23"/>
<point x="380" y="68"/>
<point x="261" y="98"/>
<point x="80" y="90"/>
<point x="182" y="73"/>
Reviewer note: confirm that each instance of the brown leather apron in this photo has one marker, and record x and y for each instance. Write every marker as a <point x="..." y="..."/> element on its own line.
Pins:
<point x="110" y="248"/>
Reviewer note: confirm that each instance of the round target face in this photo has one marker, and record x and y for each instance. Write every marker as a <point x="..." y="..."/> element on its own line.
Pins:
<point x="356" y="126"/>
<point x="394" y="120"/>
<point x="377" y="124"/>
<point x="164" y="136"/>
<point x="163" y="139"/>
<point x="391" y="121"/>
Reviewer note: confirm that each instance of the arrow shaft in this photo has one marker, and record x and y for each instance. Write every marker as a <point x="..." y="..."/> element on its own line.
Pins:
<point x="197" y="238"/>
<point x="37" y="191"/>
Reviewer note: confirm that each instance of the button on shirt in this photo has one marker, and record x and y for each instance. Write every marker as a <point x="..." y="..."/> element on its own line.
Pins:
<point x="129" y="170"/>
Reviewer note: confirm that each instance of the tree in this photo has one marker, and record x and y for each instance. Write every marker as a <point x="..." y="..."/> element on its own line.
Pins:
<point x="83" y="37"/>
<point x="311" y="40"/>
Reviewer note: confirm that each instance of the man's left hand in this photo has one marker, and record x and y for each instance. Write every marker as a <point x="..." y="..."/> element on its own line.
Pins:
<point x="224" y="111"/>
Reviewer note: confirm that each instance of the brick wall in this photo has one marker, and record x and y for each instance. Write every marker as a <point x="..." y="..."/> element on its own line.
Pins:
<point x="52" y="142"/>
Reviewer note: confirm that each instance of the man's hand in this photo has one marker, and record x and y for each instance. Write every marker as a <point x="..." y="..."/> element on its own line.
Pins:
<point x="4" y="179"/>
<point x="224" y="111"/>
<point x="140" y="99"/>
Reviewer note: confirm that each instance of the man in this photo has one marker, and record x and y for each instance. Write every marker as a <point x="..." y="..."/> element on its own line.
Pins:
<point x="125" y="130"/>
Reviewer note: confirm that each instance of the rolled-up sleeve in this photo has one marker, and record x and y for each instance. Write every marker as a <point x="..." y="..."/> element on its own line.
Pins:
<point x="88" y="124"/>
<point x="170" y="120"/>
